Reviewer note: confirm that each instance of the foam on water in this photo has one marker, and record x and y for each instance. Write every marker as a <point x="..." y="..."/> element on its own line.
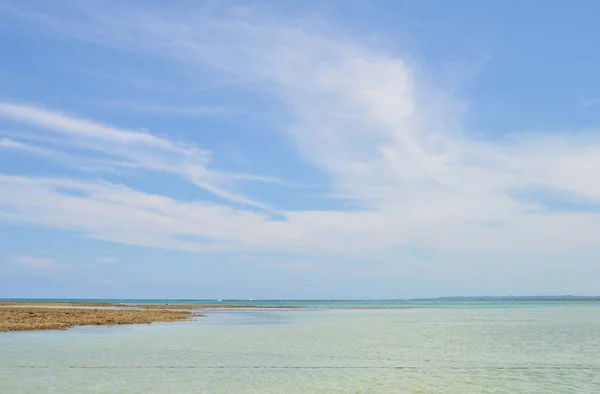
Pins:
<point x="521" y="349"/>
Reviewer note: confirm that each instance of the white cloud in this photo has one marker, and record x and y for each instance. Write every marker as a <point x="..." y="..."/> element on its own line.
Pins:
<point x="120" y="214"/>
<point x="37" y="262"/>
<point x="126" y="148"/>
<point x="72" y="160"/>
<point x="387" y="140"/>
<point x="9" y="144"/>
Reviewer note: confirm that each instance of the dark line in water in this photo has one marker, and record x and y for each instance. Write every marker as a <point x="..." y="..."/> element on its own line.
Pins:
<point x="304" y="367"/>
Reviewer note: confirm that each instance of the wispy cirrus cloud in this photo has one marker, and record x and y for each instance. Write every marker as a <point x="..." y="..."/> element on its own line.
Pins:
<point x="34" y="262"/>
<point x="120" y="214"/>
<point x="84" y="163"/>
<point x="360" y="113"/>
<point x="10" y="144"/>
<point x="124" y="148"/>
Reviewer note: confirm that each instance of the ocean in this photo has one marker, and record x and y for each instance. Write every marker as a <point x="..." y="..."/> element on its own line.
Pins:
<point x="329" y="347"/>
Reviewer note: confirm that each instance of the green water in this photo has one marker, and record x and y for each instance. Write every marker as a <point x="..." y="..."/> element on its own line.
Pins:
<point x="536" y="347"/>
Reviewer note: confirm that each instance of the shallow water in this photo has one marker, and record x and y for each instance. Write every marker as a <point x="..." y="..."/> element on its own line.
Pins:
<point x="480" y="348"/>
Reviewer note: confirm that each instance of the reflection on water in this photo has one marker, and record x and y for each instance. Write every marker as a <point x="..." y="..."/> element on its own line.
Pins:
<point x="531" y="349"/>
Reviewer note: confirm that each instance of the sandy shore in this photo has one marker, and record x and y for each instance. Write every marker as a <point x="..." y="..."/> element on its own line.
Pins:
<point x="36" y="318"/>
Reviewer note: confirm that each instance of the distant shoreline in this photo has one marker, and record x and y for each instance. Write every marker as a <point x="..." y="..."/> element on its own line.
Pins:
<point x="513" y="298"/>
<point x="237" y="303"/>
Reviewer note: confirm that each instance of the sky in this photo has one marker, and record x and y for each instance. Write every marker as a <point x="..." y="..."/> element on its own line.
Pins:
<point x="315" y="149"/>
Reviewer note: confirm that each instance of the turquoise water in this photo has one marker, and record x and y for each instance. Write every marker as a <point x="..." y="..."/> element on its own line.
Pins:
<point x="464" y="347"/>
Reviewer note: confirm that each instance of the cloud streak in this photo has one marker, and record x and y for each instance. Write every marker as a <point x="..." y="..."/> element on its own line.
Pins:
<point x="127" y="149"/>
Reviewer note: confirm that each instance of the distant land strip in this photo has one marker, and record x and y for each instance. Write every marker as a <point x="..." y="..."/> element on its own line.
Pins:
<point x="513" y="298"/>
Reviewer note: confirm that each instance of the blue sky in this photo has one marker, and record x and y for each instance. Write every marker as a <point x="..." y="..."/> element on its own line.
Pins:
<point x="339" y="149"/>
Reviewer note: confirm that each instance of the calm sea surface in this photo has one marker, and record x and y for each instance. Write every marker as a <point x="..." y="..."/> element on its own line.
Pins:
<point x="332" y="347"/>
